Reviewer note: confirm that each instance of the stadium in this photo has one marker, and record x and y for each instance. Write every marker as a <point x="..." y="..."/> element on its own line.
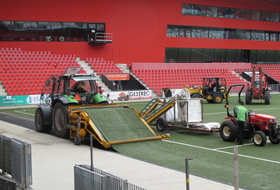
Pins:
<point x="138" y="48"/>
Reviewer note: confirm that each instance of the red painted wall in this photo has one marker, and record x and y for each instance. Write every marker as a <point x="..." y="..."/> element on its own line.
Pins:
<point x="138" y="26"/>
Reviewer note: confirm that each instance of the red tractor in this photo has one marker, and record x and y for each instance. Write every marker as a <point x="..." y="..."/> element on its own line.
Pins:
<point x="259" y="126"/>
<point x="258" y="89"/>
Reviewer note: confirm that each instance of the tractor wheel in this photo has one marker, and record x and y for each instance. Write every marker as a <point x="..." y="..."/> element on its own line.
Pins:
<point x="196" y="95"/>
<point x="228" y="131"/>
<point x="267" y="97"/>
<point x="218" y="98"/>
<point x="39" y="123"/>
<point x="248" y="97"/>
<point x="60" y="119"/>
<point x="77" y="139"/>
<point x="274" y="140"/>
<point x="259" y="138"/>
<point x="161" y="124"/>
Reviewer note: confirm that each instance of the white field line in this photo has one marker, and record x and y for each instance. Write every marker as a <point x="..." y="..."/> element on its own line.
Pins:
<point x="215" y="150"/>
<point x="23" y="112"/>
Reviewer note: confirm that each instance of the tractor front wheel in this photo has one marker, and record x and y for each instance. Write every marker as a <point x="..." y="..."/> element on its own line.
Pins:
<point x="228" y="131"/>
<point x="161" y="124"/>
<point x="274" y="139"/>
<point x="39" y="123"/>
<point x="77" y="139"/>
<point x="259" y="138"/>
<point x="60" y="120"/>
<point x="196" y="95"/>
<point x="218" y="98"/>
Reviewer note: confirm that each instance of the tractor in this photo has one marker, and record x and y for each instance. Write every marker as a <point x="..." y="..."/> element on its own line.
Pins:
<point x="72" y="107"/>
<point x="258" y="127"/>
<point x="258" y="89"/>
<point x="214" y="90"/>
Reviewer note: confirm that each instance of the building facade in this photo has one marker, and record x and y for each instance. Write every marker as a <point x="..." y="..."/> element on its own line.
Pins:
<point x="146" y="31"/>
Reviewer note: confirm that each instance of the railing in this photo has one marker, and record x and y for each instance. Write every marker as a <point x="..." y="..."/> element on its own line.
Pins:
<point x="96" y="179"/>
<point x="15" y="159"/>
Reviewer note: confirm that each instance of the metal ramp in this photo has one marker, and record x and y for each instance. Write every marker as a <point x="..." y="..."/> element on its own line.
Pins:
<point x="156" y="108"/>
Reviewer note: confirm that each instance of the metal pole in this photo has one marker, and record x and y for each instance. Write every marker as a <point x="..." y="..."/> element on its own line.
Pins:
<point x="236" y="175"/>
<point x="91" y="153"/>
<point x="187" y="173"/>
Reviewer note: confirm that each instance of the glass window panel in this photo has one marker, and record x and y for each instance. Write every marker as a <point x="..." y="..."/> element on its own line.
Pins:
<point x="253" y="55"/>
<point x="188" y="32"/>
<point x="208" y="55"/>
<point x="171" y="55"/>
<point x="238" y="54"/>
<point x="230" y="55"/>
<point x="270" y="56"/>
<point x="257" y="35"/>
<point x="230" y="33"/>
<point x="277" y="56"/>
<point x="212" y="11"/>
<point x="229" y="12"/>
<point x="243" y="34"/>
<point x="220" y="55"/>
<point x="203" y="10"/>
<point x="218" y="33"/>
<point x="255" y="15"/>
<point x="183" y="55"/>
<point x="245" y="14"/>
<point x="181" y="32"/>
<point x="265" y="16"/>
<point x="187" y="9"/>
<point x="199" y="32"/>
<point x="261" y="55"/>
<point x="196" y="55"/>
<point x="275" y="17"/>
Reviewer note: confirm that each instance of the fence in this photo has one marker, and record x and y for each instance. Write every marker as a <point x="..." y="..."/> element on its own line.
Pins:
<point x="96" y="179"/>
<point x="15" y="159"/>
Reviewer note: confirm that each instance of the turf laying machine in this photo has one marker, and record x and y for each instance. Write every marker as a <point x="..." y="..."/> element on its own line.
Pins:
<point x="72" y="107"/>
<point x="259" y="126"/>
<point x="178" y="111"/>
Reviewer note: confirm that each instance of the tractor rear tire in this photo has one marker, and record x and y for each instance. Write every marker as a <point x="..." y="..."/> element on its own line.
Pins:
<point x="259" y="138"/>
<point x="60" y="119"/>
<point x="267" y="97"/>
<point x="161" y="124"/>
<point x="228" y="131"/>
<point x="218" y="98"/>
<point x="248" y="97"/>
<point x="39" y="123"/>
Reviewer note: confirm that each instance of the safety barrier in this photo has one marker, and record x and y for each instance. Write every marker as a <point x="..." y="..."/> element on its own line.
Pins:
<point x="96" y="179"/>
<point x="15" y="159"/>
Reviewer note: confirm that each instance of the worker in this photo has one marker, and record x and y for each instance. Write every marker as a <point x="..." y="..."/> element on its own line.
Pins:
<point x="242" y="118"/>
<point x="79" y="87"/>
<point x="109" y="99"/>
<point x="70" y="97"/>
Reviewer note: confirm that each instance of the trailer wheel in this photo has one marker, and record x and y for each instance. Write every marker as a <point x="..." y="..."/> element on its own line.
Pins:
<point x="259" y="138"/>
<point x="248" y="97"/>
<point x="60" y="119"/>
<point x="39" y="123"/>
<point x="267" y="97"/>
<point x="196" y="95"/>
<point x="218" y="98"/>
<point x="77" y="139"/>
<point x="161" y="124"/>
<point x="228" y="131"/>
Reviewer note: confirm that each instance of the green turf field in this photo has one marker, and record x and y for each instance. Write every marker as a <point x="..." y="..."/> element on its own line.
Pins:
<point x="259" y="167"/>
